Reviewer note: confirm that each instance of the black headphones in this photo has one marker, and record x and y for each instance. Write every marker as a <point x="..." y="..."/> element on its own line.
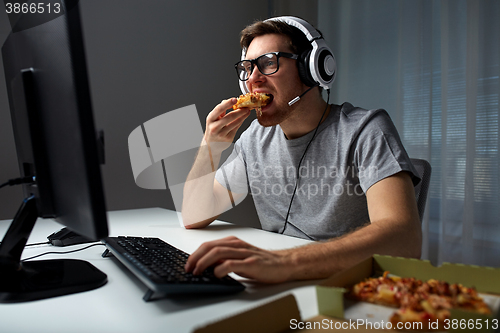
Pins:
<point x="317" y="66"/>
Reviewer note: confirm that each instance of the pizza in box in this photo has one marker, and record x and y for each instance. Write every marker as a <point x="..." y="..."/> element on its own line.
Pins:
<point x="418" y="301"/>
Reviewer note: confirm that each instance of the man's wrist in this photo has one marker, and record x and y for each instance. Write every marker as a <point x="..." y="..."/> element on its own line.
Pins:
<point x="289" y="262"/>
<point x="216" y="148"/>
<point x="308" y="262"/>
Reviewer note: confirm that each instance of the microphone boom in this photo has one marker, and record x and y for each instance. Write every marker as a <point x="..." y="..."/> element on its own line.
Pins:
<point x="296" y="99"/>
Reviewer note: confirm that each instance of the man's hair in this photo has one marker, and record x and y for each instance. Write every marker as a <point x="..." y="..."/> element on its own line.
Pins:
<point x="297" y="40"/>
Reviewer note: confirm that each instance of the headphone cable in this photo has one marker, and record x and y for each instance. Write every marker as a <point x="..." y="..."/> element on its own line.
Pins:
<point x="298" y="171"/>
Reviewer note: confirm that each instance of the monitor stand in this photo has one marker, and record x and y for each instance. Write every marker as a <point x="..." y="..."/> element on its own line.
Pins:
<point x="34" y="280"/>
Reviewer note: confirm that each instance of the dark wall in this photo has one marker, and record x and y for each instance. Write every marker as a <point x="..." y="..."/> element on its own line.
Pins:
<point x="146" y="58"/>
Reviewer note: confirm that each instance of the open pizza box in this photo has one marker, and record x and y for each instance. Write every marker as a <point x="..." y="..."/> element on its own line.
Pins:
<point x="338" y="313"/>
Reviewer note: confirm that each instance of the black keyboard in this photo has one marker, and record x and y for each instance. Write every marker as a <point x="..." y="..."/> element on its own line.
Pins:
<point x="160" y="266"/>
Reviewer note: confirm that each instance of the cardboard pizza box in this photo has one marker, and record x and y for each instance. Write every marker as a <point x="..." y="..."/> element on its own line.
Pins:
<point x="272" y="317"/>
<point x="337" y="313"/>
<point x="281" y="315"/>
<point x="486" y="280"/>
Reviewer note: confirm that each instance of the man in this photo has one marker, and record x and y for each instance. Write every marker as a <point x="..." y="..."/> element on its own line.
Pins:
<point x="333" y="173"/>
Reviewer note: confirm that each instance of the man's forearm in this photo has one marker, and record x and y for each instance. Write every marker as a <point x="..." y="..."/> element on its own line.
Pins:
<point x="320" y="260"/>
<point x="199" y="203"/>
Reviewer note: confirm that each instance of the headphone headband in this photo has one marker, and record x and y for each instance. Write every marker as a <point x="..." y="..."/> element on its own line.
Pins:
<point x="318" y="67"/>
<point x="304" y="26"/>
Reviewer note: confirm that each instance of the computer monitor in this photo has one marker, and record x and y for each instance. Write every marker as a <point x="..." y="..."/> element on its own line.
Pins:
<point x="57" y="147"/>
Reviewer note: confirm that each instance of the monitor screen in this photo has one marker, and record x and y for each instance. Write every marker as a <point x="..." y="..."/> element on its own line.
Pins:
<point x="56" y="144"/>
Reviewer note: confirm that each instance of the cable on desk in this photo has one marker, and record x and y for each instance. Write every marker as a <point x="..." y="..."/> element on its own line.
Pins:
<point x="35" y="244"/>
<point x="62" y="252"/>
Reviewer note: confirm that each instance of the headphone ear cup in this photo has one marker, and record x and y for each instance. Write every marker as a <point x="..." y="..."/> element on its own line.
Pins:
<point x="304" y="71"/>
<point x="327" y="67"/>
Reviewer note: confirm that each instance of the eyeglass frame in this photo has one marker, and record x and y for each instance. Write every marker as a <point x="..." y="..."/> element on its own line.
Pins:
<point x="254" y="62"/>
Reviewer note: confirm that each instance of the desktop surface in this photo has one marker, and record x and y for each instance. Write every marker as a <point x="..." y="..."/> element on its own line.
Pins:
<point x="118" y="305"/>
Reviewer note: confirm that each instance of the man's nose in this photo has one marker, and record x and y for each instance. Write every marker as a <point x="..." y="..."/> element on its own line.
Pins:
<point x="255" y="77"/>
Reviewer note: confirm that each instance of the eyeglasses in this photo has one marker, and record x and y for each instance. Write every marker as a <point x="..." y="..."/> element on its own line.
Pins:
<point x="267" y="64"/>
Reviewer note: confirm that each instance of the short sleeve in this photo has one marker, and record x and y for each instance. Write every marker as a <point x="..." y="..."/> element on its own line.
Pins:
<point x="379" y="152"/>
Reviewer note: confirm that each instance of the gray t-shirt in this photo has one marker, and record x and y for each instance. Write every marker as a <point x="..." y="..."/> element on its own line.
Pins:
<point x="353" y="149"/>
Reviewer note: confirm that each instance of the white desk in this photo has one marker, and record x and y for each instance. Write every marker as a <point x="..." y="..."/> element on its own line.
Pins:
<point x="118" y="305"/>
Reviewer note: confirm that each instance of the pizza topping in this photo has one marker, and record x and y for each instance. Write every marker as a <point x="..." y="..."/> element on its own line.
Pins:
<point x="418" y="301"/>
<point x="253" y="101"/>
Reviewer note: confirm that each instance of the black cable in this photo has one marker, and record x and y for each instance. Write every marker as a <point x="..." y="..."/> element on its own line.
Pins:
<point x="34" y="244"/>
<point x="298" y="171"/>
<point x="17" y="181"/>
<point x="62" y="252"/>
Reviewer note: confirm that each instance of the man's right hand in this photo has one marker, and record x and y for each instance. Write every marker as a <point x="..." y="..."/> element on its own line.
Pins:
<point x="221" y="127"/>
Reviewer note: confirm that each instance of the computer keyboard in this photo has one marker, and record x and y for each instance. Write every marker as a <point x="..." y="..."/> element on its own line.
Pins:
<point x="160" y="266"/>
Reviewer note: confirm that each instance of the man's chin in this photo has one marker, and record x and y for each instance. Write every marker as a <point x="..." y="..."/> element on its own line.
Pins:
<point x="272" y="118"/>
<point x="267" y="121"/>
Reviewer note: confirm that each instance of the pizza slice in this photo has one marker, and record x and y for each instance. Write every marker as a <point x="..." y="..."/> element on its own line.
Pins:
<point x="379" y="290"/>
<point x="253" y="101"/>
